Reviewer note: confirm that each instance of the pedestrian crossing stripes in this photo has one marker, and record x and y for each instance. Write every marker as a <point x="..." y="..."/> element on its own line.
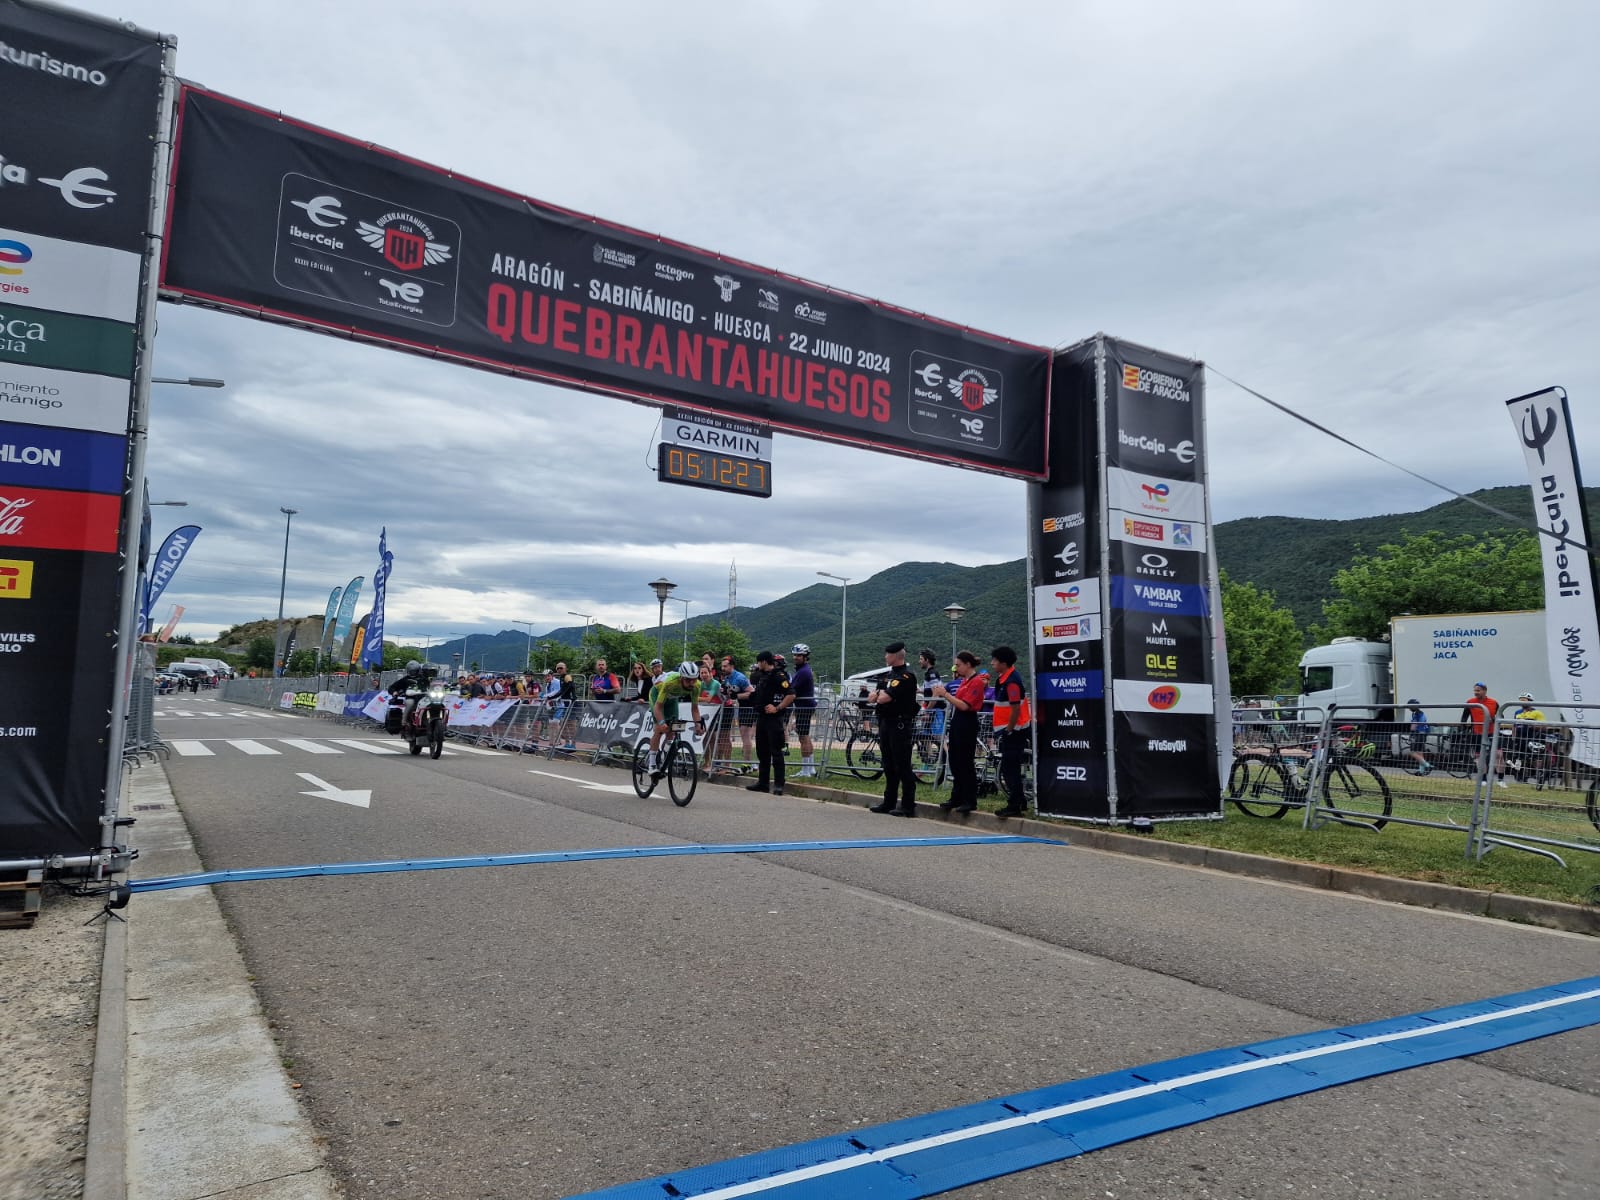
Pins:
<point x="266" y="747"/>
<point x="166" y="713"/>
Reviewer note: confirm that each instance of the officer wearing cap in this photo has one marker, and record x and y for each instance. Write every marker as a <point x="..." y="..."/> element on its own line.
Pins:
<point x="897" y="701"/>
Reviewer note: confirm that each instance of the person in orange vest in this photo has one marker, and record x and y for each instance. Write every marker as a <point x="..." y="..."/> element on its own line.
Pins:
<point x="1012" y="717"/>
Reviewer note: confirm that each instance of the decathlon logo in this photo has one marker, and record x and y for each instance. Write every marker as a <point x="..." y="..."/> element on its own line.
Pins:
<point x="323" y="211"/>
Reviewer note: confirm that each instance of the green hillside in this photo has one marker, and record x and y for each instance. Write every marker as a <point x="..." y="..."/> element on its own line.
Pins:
<point x="1293" y="557"/>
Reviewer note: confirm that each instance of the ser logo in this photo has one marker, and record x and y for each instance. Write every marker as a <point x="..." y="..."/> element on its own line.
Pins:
<point x="1070" y="774"/>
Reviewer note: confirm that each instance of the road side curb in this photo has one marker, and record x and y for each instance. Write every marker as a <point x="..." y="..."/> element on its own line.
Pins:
<point x="1549" y="914"/>
<point x="209" y="1111"/>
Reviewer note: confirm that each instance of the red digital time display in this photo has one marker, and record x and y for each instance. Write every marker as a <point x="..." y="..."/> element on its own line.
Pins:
<point x="709" y="469"/>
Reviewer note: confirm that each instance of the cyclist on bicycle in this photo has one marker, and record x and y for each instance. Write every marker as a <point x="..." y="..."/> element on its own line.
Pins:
<point x="1350" y="741"/>
<point x="669" y="690"/>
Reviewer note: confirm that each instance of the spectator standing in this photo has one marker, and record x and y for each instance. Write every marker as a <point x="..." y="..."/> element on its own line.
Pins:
<point x="1012" y="717"/>
<point x="1479" y="712"/>
<point x="771" y="696"/>
<point x="711" y="692"/>
<point x="896" y="698"/>
<point x="636" y="688"/>
<point x="603" y="684"/>
<point x="805" y="703"/>
<point x="743" y="692"/>
<point x="475" y="688"/>
<point x="966" y="702"/>
<point x="1419" y="737"/>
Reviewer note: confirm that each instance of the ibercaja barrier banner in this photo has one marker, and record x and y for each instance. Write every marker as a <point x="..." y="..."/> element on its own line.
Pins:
<point x="77" y="162"/>
<point x="277" y="219"/>
<point x="1572" y="628"/>
<point x="1159" y="613"/>
<point x="1064" y="566"/>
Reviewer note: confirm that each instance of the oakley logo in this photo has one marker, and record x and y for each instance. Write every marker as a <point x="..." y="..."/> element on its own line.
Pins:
<point x="1154" y="561"/>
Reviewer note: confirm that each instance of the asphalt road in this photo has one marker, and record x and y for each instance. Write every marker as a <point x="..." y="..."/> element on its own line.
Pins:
<point x="545" y="1030"/>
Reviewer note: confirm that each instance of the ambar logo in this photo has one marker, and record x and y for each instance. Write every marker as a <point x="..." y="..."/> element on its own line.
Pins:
<point x="16" y="579"/>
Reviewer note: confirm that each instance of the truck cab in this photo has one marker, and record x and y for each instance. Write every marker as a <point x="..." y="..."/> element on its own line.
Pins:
<point x="1350" y="672"/>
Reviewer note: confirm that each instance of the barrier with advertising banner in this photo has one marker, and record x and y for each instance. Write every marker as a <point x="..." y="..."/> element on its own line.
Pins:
<point x="81" y="150"/>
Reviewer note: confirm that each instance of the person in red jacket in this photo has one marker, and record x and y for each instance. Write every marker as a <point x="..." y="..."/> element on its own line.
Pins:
<point x="1479" y="712"/>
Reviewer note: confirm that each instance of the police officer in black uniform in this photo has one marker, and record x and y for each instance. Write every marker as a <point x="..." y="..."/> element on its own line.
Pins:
<point x="771" y="698"/>
<point x="897" y="701"/>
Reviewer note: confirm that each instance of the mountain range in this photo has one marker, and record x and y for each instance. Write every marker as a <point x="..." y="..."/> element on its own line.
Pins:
<point x="1295" y="558"/>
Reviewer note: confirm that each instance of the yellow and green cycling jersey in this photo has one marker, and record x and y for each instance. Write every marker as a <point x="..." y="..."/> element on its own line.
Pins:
<point x="670" y="689"/>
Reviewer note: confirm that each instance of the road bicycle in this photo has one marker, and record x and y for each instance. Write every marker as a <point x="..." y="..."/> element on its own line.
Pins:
<point x="862" y="754"/>
<point x="1269" y="785"/>
<point x="678" y="765"/>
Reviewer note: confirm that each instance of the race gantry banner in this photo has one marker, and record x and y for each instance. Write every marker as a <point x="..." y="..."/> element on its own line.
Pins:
<point x="1572" y="627"/>
<point x="277" y="219"/>
<point x="83" y="102"/>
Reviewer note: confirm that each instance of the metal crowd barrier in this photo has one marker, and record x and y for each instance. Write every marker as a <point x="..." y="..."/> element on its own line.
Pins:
<point x="846" y="737"/>
<point x="1546" y="786"/>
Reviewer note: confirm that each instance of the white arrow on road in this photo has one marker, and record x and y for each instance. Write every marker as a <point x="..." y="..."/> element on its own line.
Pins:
<point x="327" y="791"/>
<point x="625" y="789"/>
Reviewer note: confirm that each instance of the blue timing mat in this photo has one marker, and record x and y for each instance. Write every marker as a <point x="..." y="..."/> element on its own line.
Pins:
<point x="922" y="1156"/>
<point x="207" y="878"/>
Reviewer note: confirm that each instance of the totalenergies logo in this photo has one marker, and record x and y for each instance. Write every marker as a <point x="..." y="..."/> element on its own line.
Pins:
<point x="1159" y="491"/>
<point x="1163" y="698"/>
<point x="1070" y="595"/>
<point x="13" y="256"/>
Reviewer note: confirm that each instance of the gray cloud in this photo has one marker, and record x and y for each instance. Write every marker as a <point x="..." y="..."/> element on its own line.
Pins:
<point x="1382" y="217"/>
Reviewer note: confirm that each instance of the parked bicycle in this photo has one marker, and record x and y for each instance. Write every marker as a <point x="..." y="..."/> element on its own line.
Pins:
<point x="1268" y="783"/>
<point x="862" y="754"/>
<point x="678" y="765"/>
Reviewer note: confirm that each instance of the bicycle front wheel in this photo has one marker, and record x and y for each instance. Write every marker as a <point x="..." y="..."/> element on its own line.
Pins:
<point x="683" y="772"/>
<point x="1358" y="791"/>
<point x="643" y="783"/>
<point x="1258" y="788"/>
<point x="861" y="755"/>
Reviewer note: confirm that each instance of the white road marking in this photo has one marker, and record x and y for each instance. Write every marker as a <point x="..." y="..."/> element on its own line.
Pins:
<point x="625" y="789"/>
<point x="367" y="747"/>
<point x="452" y="748"/>
<point x="192" y="749"/>
<point x="327" y="791"/>
<point x="309" y="746"/>
<point x="251" y="747"/>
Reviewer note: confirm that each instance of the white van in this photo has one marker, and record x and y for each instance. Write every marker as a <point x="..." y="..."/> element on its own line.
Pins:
<point x="216" y="666"/>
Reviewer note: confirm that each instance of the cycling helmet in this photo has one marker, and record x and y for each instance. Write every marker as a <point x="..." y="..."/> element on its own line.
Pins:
<point x="688" y="670"/>
<point x="801" y="648"/>
<point x="1525" y="696"/>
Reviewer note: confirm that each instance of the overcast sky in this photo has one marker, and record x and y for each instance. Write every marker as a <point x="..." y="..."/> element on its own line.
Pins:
<point x="1381" y="215"/>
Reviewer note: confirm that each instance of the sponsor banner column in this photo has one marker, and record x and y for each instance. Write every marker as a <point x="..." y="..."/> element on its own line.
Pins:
<point x="83" y="100"/>
<point x="1065" y="547"/>
<point x="1159" y="613"/>
<point x="1572" y="627"/>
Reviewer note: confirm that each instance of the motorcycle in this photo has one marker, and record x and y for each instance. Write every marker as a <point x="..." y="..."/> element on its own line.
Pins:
<point x="430" y="717"/>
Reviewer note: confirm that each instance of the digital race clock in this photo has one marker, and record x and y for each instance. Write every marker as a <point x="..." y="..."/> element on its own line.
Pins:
<point x="712" y="469"/>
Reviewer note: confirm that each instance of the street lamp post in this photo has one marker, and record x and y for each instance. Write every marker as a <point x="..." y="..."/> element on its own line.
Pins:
<point x="283" y="582"/>
<point x="527" y="664"/>
<point x="844" y="593"/>
<point x="588" y="618"/>
<point x="662" y="588"/>
<point x="955" y="612"/>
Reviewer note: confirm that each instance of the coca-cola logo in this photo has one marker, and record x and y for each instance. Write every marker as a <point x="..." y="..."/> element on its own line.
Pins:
<point x="11" y="515"/>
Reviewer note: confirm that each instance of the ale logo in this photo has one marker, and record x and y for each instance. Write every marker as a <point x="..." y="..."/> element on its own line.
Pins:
<point x="1163" y="698"/>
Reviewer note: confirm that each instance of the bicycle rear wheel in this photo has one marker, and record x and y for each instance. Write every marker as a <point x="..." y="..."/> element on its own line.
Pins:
<point x="643" y="782"/>
<point x="862" y="756"/>
<point x="1358" y="791"/>
<point x="1259" y="788"/>
<point x="683" y="772"/>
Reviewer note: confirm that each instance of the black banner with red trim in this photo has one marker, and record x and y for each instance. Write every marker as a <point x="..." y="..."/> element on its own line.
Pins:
<point x="281" y="220"/>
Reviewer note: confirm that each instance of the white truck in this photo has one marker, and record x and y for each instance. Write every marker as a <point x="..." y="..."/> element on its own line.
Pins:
<point x="219" y="668"/>
<point x="1435" y="659"/>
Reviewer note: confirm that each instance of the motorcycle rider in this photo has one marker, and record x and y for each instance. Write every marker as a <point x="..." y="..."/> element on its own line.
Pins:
<point x="414" y="680"/>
